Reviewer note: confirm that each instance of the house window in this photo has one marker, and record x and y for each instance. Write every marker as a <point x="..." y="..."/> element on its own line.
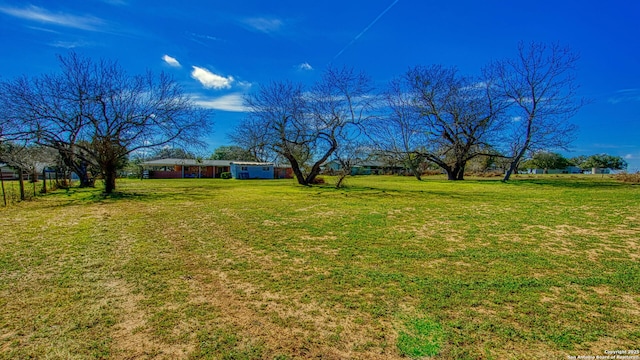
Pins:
<point x="265" y="168"/>
<point x="244" y="168"/>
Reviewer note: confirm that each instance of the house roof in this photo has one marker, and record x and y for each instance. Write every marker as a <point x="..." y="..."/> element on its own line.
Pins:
<point x="186" y="162"/>
<point x="251" y="163"/>
<point x="194" y="162"/>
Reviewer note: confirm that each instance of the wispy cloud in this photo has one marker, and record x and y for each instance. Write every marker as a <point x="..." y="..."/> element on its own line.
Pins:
<point x="625" y="95"/>
<point x="41" y="15"/>
<point x="366" y="29"/>
<point x="70" y="44"/>
<point x="305" y="66"/>
<point x="210" y="80"/>
<point x="244" y="84"/>
<point x="171" y="61"/>
<point x="264" y="24"/>
<point x="231" y="102"/>
<point x="116" y="2"/>
<point x="202" y="36"/>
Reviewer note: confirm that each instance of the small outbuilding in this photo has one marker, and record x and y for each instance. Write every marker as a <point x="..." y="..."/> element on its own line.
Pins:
<point x="244" y="170"/>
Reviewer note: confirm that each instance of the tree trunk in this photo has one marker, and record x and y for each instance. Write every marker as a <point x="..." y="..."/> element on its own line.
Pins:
<point x="83" y="175"/>
<point x="4" y="192"/>
<point x="44" y="181"/>
<point x="340" y="180"/>
<point x="296" y="170"/>
<point x="21" y="182"/>
<point x="456" y="173"/>
<point x="110" y="179"/>
<point x="416" y="173"/>
<point x="513" y="165"/>
<point x="315" y="171"/>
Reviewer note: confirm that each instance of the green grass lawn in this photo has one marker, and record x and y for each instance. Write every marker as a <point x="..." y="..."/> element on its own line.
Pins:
<point x="388" y="267"/>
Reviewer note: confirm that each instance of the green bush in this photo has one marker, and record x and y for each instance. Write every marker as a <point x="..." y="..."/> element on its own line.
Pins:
<point x="225" y="175"/>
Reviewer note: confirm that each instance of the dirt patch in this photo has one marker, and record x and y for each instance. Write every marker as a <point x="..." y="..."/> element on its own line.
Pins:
<point x="273" y="223"/>
<point x="632" y="306"/>
<point x="288" y="324"/>
<point x="566" y="240"/>
<point x="131" y="338"/>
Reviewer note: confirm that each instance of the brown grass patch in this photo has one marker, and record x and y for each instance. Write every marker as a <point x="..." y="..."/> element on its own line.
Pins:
<point x="131" y="337"/>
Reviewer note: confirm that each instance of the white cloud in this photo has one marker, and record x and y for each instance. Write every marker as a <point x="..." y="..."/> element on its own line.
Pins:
<point x="263" y="24"/>
<point x="625" y="95"/>
<point x="232" y="102"/>
<point x="629" y="157"/>
<point x="305" y="66"/>
<point x="244" y="84"/>
<point x="171" y="61"/>
<point x="203" y="36"/>
<point x="210" y="80"/>
<point x="70" y="44"/>
<point x="38" y="14"/>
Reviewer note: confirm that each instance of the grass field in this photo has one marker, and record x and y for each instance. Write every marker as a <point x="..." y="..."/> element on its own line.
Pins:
<point x="388" y="267"/>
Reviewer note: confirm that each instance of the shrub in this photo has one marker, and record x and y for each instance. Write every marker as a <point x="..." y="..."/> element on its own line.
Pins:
<point x="488" y="173"/>
<point x="225" y="175"/>
<point x="628" y="178"/>
<point x="318" y="180"/>
<point x="431" y="172"/>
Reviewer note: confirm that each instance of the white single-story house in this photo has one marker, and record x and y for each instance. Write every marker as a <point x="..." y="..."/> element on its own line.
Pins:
<point x="251" y="170"/>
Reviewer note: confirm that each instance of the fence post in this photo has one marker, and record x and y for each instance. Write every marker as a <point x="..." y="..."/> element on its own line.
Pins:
<point x="44" y="181"/>
<point x="4" y="192"/>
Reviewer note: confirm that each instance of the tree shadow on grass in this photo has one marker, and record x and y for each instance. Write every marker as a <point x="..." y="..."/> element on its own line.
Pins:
<point x="88" y="196"/>
<point x="422" y="189"/>
<point x="570" y="183"/>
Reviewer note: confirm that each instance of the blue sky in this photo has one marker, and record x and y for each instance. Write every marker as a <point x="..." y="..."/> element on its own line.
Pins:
<point x="219" y="50"/>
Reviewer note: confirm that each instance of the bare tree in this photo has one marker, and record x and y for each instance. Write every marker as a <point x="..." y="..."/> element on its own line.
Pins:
<point x="305" y="127"/>
<point x="348" y="155"/>
<point x="251" y="134"/>
<point x="540" y="84"/>
<point x="94" y="113"/>
<point x="442" y="117"/>
<point x="42" y="110"/>
<point x="399" y="134"/>
<point x="29" y="159"/>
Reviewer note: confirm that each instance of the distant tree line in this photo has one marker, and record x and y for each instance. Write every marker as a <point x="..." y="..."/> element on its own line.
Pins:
<point x="513" y="109"/>
<point x="550" y="160"/>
